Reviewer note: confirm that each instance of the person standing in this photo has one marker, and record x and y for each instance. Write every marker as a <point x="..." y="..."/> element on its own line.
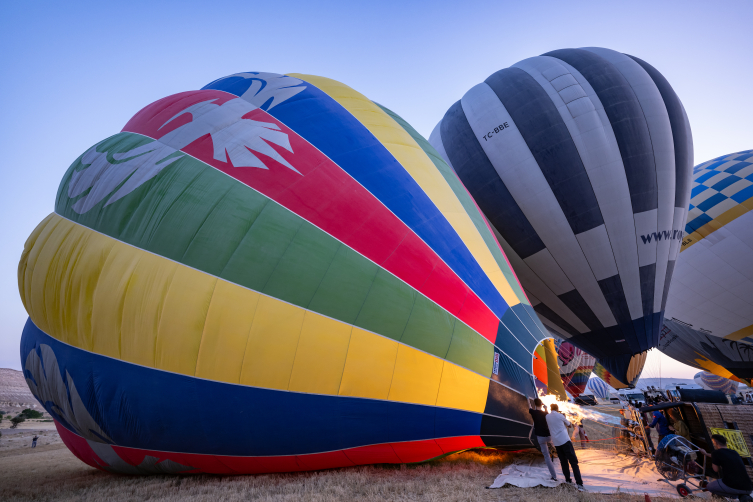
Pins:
<point x="543" y="437"/>
<point x="733" y="478"/>
<point x="661" y="425"/>
<point x="580" y="433"/>
<point x="558" y="425"/>
<point x="679" y="427"/>
<point x="34" y="441"/>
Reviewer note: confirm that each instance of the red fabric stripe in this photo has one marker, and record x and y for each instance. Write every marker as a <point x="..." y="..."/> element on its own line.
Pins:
<point x="392" y="453"/>
<point x="417" y="451"/>
<point x="450" y="445"/>
<point x="330" y="199"/>
<point x="79" y="447"/>
<point x="374" y="454"/>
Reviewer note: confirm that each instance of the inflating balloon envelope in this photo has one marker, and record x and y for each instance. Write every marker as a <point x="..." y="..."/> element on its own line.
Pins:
<point x="284" y="256"/>
<point x="580" y="159"/>
<point x="709" y="317"/>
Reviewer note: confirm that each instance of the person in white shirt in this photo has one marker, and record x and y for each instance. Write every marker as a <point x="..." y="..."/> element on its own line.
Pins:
<point x="558" y="425"/>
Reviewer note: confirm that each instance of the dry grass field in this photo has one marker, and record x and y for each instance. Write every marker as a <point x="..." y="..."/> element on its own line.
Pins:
<point x="51" y="472"/>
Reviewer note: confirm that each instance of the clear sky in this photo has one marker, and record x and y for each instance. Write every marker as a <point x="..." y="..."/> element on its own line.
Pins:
<point x="73" y="73"/>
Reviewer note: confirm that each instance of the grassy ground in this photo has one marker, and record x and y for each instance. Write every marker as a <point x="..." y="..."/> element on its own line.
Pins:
<point x="51" y="472"/>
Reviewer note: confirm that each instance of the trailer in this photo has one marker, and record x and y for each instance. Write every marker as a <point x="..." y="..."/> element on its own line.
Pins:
<point x="735" y="422"/>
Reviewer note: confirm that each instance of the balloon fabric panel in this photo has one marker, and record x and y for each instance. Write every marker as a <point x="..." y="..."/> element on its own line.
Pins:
<point x="570" y="156"/>
<point x="261" y="245"/>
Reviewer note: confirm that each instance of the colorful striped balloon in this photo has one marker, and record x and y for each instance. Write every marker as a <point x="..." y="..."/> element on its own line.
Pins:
<point x="575" y="368"/>
<point x="599" y="388"/>
<point x="272" y="273"/>
<point x="710" y="381"/>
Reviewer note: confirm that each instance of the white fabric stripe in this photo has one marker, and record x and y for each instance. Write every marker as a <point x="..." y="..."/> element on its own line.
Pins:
<point x="536" y="286"/>
<point x="595" y="245"/>
<point x="435" y="139"/>
<point x="660" y="129"/>
<point x="550" y="272"/>
<point x="521" y="174"/>
<point x="592" y="133"/>
<point x="712" y="287"/>
<point x="681" y="213"/>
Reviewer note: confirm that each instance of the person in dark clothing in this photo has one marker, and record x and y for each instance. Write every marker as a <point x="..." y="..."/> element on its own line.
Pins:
<point x="543" y="437"/>
<point x="661" y="424"/>
<point x="34" y="441"/>
<point x="624" y="429"/>
<point x="734" y="479"/>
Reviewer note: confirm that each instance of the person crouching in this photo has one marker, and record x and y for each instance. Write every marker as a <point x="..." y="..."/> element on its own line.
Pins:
<point x="558" y="425"/>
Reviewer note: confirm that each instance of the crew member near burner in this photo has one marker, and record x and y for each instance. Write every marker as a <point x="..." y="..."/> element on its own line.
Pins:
<point x="733" y="478"/>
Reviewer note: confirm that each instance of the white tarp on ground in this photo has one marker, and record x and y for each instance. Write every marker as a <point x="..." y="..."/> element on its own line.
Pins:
<point x="602" y="472"/>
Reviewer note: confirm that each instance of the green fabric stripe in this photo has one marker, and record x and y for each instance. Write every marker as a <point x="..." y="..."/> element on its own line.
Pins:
<point x="198" y="216"/>
<point x="466" y="201"/>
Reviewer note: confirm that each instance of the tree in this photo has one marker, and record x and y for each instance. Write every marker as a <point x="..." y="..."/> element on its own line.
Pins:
<point x="29" y="413"/>
<point x="17" y="420"/>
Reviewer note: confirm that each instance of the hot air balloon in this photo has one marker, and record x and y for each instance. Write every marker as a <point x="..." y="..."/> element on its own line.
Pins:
<point x="709" y="381"/>
<point x="599" y="388"/>
<point x="546" y="370"/>
<point x="283" y="249"/>
<point x="580" y="159"/>
<point x="709" y="316"/>
<point x="575" y="368"/>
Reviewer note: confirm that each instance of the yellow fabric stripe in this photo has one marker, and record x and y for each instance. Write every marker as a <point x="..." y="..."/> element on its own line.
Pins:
<point x="554" y="379"/>
<point x="101" y="295"/>
<point x="717" y="223"/>
<point x="410" y="155"/>
<point x="740" y="333"/>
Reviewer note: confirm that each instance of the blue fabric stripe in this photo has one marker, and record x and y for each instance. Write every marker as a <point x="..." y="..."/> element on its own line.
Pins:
<point x="130" y="403"/>
<point x="697" y="190"/>
<point x="706" y="176"/>
<point x="722" y="184"/>
<point x="713" y="165"/>
<point x="734" y="168"/>
<point x="743" y="195"/>
<point x="697" y="223"/>
<point x="712" y="201"/>
<point x="746" y="156"/>
<point x="328" y="126"/>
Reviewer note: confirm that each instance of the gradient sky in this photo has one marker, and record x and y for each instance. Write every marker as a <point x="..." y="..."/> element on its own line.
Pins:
<point x="75" y="72"/>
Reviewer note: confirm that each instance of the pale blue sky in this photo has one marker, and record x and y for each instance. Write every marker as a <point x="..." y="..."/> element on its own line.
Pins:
<point x="75" y="72"/>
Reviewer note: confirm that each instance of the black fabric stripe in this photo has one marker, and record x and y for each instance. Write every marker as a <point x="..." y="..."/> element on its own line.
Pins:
<point x="544" y="311"/>
<point x="580" y="308"/>
<point x="667" y="281"/>
<point x="681" y="135"/>
<point x="614" y="293"/>
<point x="503" y="402"/>
<point x="627" y="119"/>
<point x="549" y="140"/>
<point x="478" y="175"/>
<point x="603" y="343"/>
<point x="648" y="283"/>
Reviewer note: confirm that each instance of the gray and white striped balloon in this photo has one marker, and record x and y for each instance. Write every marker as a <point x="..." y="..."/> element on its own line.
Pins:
<point x="581" y="161"/>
